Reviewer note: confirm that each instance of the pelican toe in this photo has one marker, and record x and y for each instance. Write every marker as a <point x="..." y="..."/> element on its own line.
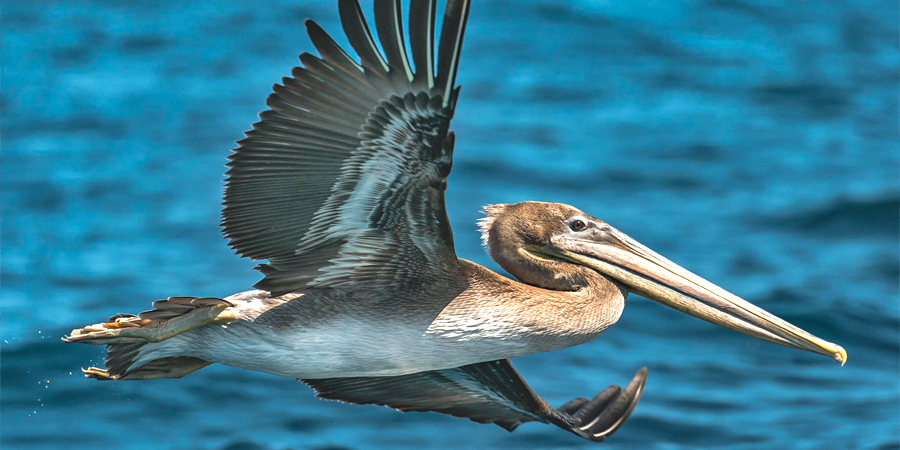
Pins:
<point x="600" y="417"/>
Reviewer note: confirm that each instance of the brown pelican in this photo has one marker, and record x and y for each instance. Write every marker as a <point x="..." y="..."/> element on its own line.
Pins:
<point x="340" y="186"/>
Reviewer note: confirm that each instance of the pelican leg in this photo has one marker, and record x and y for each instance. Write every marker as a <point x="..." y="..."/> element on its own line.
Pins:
<point x="600" y="417"/>
<point x="171" y="317"/>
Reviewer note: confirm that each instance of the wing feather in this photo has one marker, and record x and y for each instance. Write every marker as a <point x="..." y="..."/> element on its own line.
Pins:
<point x="331" y="51"/>
<point x="488" y="392"/>
<point x="360" y="38"/>
<point x="389" y="26"/>
<point x="421" y="42"/>
<point x="338" y="80"/>
<point x="342" y="179"/>
<point x="452" y="32"/>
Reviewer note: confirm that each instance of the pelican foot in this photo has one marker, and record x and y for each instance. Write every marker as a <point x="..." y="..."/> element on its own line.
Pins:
<point x="171" y="317"/>
<point x="600" y="417"/>
<point x="98" y="373"/>
<point x="171" y="367"/>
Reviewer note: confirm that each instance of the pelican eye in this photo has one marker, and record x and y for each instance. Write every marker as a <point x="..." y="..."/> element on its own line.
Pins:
<point x="578" y="225"/>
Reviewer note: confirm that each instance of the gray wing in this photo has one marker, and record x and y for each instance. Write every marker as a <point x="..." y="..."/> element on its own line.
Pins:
<point x="342" y="180"/>
<point x="488" y="392"/>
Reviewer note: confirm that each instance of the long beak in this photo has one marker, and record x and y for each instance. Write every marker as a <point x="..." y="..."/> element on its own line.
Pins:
<point x="649" y="275"/>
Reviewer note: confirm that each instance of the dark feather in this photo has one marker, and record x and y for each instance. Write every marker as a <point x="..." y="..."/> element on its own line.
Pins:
<point x="330" y="51"/>
<point x="390" y="32"/>
<point x="360" y="37"/>
<point x="421" y="41"/>
<point x="488" y="392"/>
<point x="452" y="31"/>
<point x="342" y="179"/>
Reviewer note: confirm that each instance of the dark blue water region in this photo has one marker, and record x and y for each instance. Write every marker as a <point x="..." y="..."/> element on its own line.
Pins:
<point x="753" y="142"/>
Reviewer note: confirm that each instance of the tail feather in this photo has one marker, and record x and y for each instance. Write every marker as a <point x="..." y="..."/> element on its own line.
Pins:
<point x="120" y="357"/>
<point x="128" y="336"/>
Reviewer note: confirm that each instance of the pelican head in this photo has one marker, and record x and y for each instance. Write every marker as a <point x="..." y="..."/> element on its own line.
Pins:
<point x="553" y="245"/>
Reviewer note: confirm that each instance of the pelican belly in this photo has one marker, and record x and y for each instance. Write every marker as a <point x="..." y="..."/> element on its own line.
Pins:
<point x="339" y="348"/>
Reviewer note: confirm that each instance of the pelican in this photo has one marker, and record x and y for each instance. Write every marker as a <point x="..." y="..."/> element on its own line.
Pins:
<point x="340" y="188"/>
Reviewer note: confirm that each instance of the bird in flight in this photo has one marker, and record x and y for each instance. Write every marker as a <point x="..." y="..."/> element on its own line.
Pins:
<point x="340" y="188"/>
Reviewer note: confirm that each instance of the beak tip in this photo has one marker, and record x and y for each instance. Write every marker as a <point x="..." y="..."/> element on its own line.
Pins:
<point x="840" y="355"/>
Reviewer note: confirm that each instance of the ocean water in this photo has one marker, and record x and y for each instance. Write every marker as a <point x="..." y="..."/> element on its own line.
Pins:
<point x="754" y="142"/>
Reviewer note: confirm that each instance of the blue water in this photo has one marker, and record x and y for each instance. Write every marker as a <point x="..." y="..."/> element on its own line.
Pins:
<point x="754" y="142"/>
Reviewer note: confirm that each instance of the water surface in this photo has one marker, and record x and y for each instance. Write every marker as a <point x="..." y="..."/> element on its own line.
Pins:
<point x="753" y="142"/>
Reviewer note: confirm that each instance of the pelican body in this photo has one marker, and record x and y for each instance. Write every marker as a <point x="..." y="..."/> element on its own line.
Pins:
<point x="327" y="333"/>
<point x="340" y="188"/>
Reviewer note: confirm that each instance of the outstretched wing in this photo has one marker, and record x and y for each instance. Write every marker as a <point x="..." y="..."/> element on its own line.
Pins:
<point x="488" y="392"/>
<point x="342" y="180"/>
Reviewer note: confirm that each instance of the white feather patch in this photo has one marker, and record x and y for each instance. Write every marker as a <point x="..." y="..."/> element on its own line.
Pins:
<point x="485" y="223"/>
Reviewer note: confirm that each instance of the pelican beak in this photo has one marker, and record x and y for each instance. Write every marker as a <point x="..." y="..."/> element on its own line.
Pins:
<point x="649" y="275"/>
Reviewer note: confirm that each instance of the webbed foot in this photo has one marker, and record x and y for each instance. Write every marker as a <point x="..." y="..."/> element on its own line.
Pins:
<point x="600" y="417"/>
<point x="171" y="317"/>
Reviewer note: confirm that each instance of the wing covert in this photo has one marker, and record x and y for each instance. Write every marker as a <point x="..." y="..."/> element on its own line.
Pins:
<point x="342" y="180"/>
